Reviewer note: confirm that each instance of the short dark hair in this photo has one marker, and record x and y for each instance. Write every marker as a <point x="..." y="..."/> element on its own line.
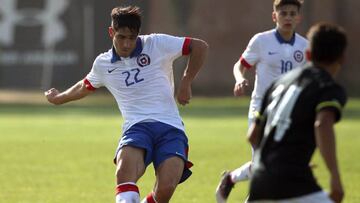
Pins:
<point x="327" y="42"/>
<point x="129" y="17"/>
<point x="279" y="3"/>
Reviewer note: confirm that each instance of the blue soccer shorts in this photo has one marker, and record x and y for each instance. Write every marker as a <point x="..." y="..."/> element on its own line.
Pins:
<point x="160" y="141"/>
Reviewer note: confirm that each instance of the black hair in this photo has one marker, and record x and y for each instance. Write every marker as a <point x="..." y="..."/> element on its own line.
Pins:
<point x="129" y="17"/>
<point x="279" y="3"/>
<point x="327" y="42"/>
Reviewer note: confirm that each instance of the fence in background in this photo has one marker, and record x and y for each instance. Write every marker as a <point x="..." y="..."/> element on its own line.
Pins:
<point x="46" y="43"/>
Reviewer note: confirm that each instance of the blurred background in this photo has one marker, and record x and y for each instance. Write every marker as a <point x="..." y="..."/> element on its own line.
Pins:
<point x="52" y="43"/>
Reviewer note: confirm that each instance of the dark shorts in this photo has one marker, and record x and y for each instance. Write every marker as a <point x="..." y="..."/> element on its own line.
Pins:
<point x="160" y="141"/>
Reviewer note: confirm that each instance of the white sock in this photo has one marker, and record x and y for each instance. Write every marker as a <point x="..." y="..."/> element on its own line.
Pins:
<point x="127" y="193"/>
<point x="150" y="198"/>
<point x="242" y="173"/>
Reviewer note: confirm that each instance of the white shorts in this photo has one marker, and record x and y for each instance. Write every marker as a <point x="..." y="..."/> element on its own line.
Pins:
<point x="316" y="197"/>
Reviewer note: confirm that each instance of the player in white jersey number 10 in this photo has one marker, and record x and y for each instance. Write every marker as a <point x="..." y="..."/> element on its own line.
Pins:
<point x="272" y="53"/>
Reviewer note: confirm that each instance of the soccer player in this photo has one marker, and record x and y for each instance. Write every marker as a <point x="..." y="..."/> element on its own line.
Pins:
<point x="272" y="53"/>
<point x="297" y="115"/>
<point x="137" y="70"/>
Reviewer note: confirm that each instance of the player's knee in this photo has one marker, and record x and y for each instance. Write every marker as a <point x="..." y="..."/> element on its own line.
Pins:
<point x="122" y="175"/>
<point x="165" y="191"/>
<point x="118" y="174"/>
<point x="125" y="173"/>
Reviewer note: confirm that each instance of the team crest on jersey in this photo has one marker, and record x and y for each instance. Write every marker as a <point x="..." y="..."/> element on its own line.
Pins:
<point x="143" y="60"/>
<point x="298" y="56"/>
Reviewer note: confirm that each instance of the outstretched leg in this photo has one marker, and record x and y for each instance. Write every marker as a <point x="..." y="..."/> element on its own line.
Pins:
<point x="129" y="168"/>
<point x="168" y="175"/>
<point x="229" y="179"/>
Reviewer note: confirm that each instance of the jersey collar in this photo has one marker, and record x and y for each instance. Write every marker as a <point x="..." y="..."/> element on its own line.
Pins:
<point x="137" y="51"/>
<point x="281" y="40"/>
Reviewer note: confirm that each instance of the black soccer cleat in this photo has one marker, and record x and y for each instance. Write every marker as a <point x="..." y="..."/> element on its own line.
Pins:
<point x="224" y="188"/>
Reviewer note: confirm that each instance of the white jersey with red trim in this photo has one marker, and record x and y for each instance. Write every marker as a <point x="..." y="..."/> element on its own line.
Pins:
<point x="142" y="84"/>
<point x="272" y="56"/>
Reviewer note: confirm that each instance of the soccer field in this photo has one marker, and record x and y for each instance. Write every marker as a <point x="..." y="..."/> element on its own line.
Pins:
<point x="63" y="154"/>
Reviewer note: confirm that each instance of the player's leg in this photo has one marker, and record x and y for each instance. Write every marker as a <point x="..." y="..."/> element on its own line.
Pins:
<point x="230" y="178"/>
<point x="130" y="167"/>
<point x="224" y="187"/>
<point x="168" y="175"/>
<point x="243" y="172"/>
<point x="132" y="156"/>
<point x="170" y="162"/>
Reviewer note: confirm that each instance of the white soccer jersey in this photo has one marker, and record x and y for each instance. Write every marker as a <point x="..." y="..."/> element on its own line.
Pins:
<point x="142" y="84"/>
<point x="272" y="56"/>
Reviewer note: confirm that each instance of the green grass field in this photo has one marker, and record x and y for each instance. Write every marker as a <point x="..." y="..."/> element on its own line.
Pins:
<point x="63" y="154"/>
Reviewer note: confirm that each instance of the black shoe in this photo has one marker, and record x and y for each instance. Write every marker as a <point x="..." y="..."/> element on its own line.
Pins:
<point x="224" y="188"/>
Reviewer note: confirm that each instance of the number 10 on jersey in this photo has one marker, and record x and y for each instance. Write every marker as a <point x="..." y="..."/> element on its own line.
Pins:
<point x="286" y="66"/>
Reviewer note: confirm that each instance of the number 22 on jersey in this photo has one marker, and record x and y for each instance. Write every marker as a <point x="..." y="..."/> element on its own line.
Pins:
<point x="132" y="77"/>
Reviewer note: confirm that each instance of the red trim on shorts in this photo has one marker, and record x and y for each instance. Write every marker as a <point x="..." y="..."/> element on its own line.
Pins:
<point x="188" y="164"/>
<point x="126" y="188"/>
<point x="88" y="85"/>
<point x="245" y="63"/>
<point x="150" y="198"/>
<point x="186" y="46"/>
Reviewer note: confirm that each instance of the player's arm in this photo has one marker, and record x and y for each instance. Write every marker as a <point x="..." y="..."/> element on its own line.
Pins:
<point x="325" y="140"/>
<point x="254" y="135"/>
<point x="256" y="128"/>
<point x="75" y="92"/>
<point x="239" y="71"/>
<point x="197" y="56"/>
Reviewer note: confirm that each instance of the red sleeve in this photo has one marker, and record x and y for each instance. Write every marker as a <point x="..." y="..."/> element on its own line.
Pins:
<point x="88" y="85"/>
<point x="186" y="46"/>
<point x="245" y="63"/>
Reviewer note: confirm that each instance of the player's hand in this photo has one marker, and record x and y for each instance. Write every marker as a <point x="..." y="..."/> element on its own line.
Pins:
<point x="240" y="86"/>
<point x="51" y="95"/>
<point x="336" y="190"/>
<point x="184" y="92"/>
